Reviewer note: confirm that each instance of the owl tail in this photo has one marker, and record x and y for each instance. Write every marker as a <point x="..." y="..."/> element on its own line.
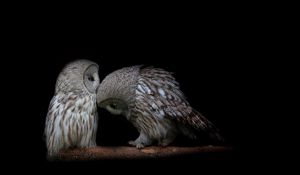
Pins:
<point x="200" y="123"/>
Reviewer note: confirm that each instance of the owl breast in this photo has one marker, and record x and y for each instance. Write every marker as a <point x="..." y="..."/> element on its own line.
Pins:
<point x="71" y="122"/>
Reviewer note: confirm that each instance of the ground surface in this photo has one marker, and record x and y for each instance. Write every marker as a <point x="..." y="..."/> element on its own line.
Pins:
<point x="124" y="152"/>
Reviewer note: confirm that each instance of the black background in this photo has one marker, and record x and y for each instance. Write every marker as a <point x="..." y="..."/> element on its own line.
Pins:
<point x="216" y="57"/>
<point x="214" y="80"/>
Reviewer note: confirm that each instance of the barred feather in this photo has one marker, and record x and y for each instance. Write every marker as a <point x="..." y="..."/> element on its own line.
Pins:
<point x="169" y="102"/>
<point x="199" y="122"/>
<point x="71" y="122"/>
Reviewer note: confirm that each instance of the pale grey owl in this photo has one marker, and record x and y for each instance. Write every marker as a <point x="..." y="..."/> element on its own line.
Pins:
<point x="72" y="115"/>
<point x="150" y="98"/>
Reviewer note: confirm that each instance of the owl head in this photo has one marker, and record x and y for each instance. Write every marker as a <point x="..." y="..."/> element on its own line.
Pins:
<point x="78" y="76"/>
<point x="116" y="92"/>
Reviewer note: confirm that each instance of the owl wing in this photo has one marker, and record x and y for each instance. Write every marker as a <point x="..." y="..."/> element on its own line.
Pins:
<point x="167" y="100"/>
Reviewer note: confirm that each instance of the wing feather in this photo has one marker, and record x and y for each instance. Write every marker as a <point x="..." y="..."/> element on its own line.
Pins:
<point x="167" y="100"/>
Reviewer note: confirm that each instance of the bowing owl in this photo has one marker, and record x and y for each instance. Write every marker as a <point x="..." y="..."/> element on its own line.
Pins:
<point x="150" y="98"/>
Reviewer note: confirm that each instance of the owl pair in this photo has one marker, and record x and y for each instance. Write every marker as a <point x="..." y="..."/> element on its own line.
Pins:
<point x="149" y="98"/>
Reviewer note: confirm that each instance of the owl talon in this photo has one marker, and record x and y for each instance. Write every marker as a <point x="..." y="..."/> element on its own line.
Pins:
<point x="139" y="146"/>
<point x="132" y="143"/>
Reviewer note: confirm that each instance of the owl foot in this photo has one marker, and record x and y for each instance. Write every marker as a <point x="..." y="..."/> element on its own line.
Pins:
<point x="137" y="145"/>
<point x="132" y="143"/>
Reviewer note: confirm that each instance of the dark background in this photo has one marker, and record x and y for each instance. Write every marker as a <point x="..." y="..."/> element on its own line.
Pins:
<point x="234" y="62"/>
<point x="214" y="79"/>
<point x="217" y="58"/>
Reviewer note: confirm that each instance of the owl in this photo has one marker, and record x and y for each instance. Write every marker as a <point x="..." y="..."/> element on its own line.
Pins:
<point x="150" y="98"/>
<point x="72" y="115"/>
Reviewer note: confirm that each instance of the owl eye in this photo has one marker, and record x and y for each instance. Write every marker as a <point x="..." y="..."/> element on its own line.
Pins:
<point x="113" y="105"/>
<point x="91" y="78"/>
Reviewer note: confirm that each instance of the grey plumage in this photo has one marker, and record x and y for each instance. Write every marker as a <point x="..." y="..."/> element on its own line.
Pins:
<point x="72" y="115"/>
<point x="150" y="98"/>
